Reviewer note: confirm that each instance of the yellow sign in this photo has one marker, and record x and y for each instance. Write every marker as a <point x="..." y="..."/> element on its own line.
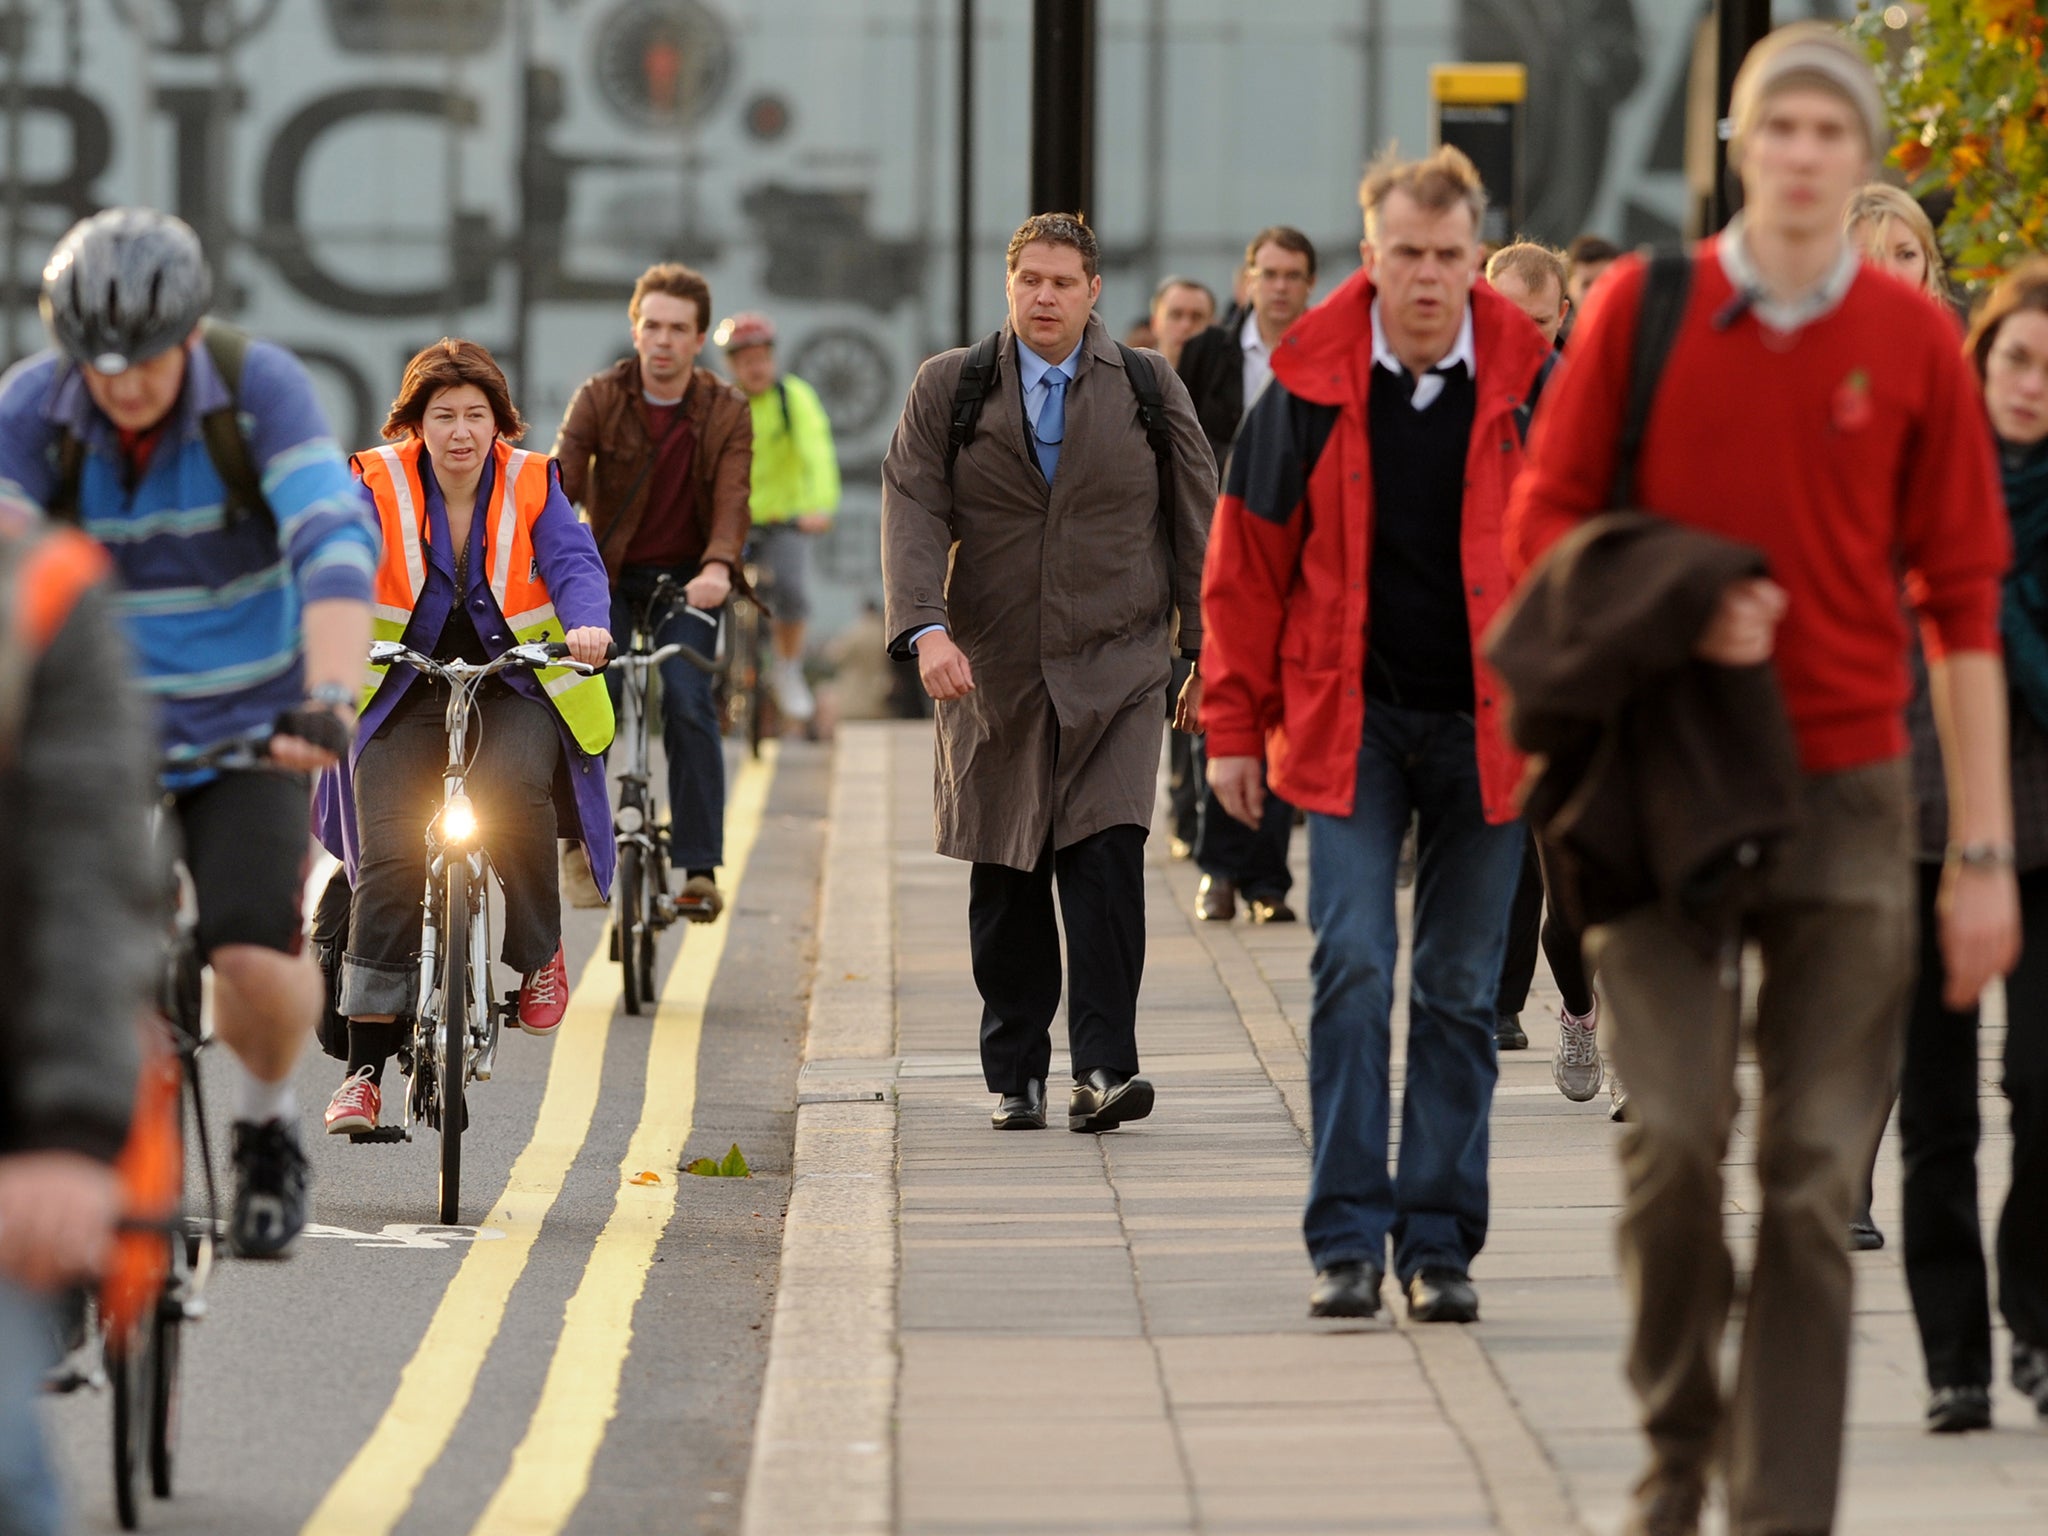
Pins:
<point x="1478" y="84"/>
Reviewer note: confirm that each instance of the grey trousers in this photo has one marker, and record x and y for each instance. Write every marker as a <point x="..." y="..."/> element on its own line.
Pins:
<point x="1833" y="917"/>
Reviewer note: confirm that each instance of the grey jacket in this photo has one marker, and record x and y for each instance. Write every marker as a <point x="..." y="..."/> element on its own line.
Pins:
<point x="76" y="901"/>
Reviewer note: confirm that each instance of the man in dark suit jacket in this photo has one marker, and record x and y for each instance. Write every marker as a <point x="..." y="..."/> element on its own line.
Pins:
<point x="1225" y="368"/>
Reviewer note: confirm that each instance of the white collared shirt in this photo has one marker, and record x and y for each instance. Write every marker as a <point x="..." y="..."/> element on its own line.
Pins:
<point x="1783" y="314"/>
<point x="1431" y="384"/>
<point x="1258" y="361"/>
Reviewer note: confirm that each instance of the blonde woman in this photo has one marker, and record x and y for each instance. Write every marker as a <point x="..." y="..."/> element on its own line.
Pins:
<point x="1896" y="236"/>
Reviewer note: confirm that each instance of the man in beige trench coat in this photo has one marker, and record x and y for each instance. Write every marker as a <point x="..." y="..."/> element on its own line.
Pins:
<point x="1038" y="587"/>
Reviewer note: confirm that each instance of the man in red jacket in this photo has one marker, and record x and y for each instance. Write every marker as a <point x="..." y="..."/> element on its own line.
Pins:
<point x="1354" y="558"/>
<point x="1818" y="410"/>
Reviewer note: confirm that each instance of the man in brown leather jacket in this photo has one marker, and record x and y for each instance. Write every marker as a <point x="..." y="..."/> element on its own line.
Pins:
<point x="659" y="453"/>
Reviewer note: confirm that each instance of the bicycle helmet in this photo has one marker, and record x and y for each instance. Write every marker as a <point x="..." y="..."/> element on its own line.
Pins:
<point x="123" y="286"/>
<point x="748" y="328"/>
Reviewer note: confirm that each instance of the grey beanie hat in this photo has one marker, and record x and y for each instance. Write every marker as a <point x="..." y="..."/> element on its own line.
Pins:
<point x="1815" y="54"/>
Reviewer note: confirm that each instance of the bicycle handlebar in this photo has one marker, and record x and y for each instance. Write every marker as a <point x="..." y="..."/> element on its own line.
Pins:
<point x="251" y="749"/>
<point x="529" y="657"/>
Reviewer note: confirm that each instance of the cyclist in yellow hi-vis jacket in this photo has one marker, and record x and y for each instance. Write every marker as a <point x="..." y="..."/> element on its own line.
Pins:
<point x="795" y="492"/>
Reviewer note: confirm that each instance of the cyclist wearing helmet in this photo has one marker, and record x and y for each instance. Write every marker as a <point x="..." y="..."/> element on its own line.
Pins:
<point x="241" y="617"/>
<point x="795" y="491"/>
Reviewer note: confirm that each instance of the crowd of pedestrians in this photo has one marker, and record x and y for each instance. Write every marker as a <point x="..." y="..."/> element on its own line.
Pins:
<point x="1486" y="572"/>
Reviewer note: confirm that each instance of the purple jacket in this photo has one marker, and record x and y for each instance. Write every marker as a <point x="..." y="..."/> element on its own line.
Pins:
<point x="575" y="579"/>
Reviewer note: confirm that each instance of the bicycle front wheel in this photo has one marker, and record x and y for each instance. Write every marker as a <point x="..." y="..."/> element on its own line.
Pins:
<point x="129" y="1369"/>
<point x="632" y="932"/>
<point x="453" y="1033"/>
<point x="163" y="1396"/>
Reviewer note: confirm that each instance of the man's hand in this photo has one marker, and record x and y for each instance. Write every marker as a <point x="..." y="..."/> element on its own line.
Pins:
<point x="1745" y="625"/>
<point x="302" y="755"/>
<point x="813" y="522"/>
<point x="943" y="668"/>
<point x="1240" y="786"/>
<point x="57" y="1214"/>
<point x="1187" y="709"/>
<point x="589" y="643"/>
<point x="710" y="587"/>
<point x="1980" y="930"/>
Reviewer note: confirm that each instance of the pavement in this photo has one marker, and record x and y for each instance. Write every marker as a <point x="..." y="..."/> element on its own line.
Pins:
<point x="981" y="1332"/>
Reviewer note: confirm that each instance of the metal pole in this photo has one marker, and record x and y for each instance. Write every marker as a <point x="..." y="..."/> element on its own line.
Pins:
<point x="1738" y="24"/>
<point x="964" y="256"/>
<point x="1063" y="106"/>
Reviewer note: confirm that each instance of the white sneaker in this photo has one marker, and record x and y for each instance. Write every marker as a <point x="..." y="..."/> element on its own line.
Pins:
<point x="579" y="886"/>
<point x="1575" y="1064"/>
<point x="792" y="693"/>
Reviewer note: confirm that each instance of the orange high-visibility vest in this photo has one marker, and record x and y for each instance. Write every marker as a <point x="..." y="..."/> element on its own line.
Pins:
<point x="519" y="494"/>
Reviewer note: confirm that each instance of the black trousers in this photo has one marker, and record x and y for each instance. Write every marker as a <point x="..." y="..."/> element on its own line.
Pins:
<point x="514" y="749"/>
<point x="1015" y="943"/>
<point x="1938" y="1132"/>
<point x="1563" y="945"/>
<point x="1254" y="858"/>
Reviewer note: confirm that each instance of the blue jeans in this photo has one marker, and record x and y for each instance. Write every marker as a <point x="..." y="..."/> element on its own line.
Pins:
<point x="29" y="1503"/>
<point x="689" y="724"/>
<point x="1435" y="1206"/>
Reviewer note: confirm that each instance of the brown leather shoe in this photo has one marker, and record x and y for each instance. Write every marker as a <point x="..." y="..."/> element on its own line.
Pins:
<point x="1215" y="899"/>
<point x="1666" y="1506"/>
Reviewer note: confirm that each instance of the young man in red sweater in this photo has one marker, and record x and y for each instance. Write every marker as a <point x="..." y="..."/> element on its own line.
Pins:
<point x="1819" y="411"/>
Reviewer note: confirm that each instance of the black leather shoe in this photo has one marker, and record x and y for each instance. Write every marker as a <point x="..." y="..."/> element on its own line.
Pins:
<point x="1103" y="1101"/>
<point x="1508" y="1034"/>
<point x="1864" y="1236"/>
<point x="1351" y="1289"/>
<point x="1442" y="1296"/>
<point x="1954" y="1410"/>
<point x="1022" y="1111"/>
<point x="1269" y="909"/>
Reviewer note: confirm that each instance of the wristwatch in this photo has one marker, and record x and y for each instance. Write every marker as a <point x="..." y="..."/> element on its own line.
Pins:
<point x="332" y="696"/>
<point x="1981" y="855"/>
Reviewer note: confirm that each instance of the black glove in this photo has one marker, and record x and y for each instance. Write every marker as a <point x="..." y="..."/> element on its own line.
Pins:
<point x="321" y="728"/>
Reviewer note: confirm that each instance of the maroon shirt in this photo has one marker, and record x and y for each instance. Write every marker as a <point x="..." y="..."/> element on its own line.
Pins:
<point x="668" y="535"/>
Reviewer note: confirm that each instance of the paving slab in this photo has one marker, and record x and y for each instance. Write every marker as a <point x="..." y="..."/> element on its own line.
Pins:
<point x="986" y="1332"/>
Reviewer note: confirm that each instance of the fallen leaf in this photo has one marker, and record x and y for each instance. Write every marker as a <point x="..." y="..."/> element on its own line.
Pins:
<point x="646" y="1176"/>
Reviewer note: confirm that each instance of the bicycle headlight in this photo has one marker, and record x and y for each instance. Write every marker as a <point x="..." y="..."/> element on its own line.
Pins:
<point x="458" y="820"/>
<point x="629" y="819"/>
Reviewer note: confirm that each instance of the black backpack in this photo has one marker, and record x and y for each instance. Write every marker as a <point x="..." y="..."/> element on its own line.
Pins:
<point x="980" y="371"/>
<point x="228" y="347"/>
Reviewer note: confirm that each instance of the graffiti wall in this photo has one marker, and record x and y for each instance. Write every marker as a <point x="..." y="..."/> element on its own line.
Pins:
<point x="371" y="174"/>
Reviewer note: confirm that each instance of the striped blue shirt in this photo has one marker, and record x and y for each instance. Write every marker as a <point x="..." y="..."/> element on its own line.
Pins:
<point x="212" y="612"/>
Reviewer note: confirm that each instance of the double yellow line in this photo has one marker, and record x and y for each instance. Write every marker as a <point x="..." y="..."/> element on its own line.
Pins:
<point x="551" y="1466"/>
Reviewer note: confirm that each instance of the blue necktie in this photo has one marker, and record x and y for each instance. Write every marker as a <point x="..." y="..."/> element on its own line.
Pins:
<point x="1051" y="428"/>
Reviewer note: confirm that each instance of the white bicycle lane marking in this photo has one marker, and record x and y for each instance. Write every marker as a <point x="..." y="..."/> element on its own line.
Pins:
<point x="404" y="1234"/>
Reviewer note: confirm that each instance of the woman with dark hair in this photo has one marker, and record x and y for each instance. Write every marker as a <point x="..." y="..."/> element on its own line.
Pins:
<point x="1938" y="1114"/>
<point x="481" y="552"/>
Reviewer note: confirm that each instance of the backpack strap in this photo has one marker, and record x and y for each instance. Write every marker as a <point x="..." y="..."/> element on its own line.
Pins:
<point x="228" y="348"/>
<point x="1152" y="412"/>
<point x="1665" y="290"/>
<point x="41" y="580"/>
<point x="70" y="459"/>
<point x="1525" y="413"/>
<point x="976" y="375"/>
<point x="782" y="399"/>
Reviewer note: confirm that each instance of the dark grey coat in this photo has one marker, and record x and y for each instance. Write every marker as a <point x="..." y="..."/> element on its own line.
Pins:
<point x="1063" y="598"/>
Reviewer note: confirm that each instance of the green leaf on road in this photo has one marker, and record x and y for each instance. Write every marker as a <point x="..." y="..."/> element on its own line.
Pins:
<point x="732" y="1166"/>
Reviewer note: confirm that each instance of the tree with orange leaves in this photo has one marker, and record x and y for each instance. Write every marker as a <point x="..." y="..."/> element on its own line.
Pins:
<point x="1968" y="93"/>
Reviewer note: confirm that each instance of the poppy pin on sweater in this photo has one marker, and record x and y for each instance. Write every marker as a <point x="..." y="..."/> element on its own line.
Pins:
<point x="1852" y="408"/>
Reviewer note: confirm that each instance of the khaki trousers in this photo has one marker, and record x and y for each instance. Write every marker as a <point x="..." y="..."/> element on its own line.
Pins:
<point x="1833" y="918"/>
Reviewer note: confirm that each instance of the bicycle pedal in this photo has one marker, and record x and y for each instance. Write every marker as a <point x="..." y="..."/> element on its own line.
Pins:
<point x="382" y="1133"/>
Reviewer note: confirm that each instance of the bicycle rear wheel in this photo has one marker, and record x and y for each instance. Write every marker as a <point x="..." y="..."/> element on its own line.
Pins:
<point x="632" y="932"/>
<point x="650" y="883"/>
<point x="453" y="1034"/>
